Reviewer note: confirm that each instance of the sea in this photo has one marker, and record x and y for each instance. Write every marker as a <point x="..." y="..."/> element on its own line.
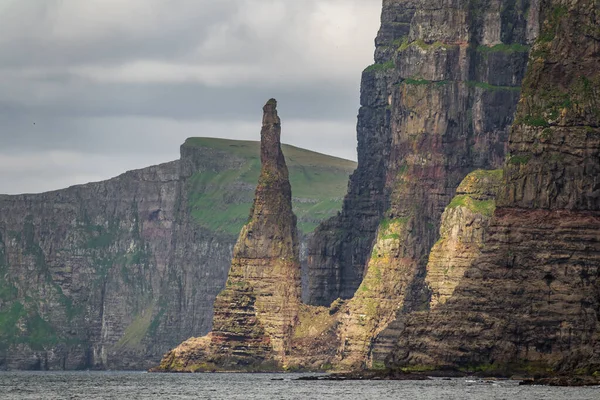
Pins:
<point x="140" y="385"/>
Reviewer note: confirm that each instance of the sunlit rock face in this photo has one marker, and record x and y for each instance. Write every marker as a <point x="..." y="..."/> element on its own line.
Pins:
<point x="436" y="105"/>
<point x="462" y="233"/>
<point x="255" y="315"/>
<point x="531" y="301"/>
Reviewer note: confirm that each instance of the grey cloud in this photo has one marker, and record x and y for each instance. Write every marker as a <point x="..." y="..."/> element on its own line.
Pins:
<point x="131" y="79"/>
<point x="189" y="101"/>
<point x="29" y="29"/>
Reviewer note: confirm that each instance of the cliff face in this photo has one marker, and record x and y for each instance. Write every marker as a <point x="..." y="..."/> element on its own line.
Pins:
<point x="462" y="233"/>
<point x="437" y="104"/>
<point x="256" y="313"/>
<point x="530" y="302"/>
<point x="81" y="270"/>
<point x="113" y="274"/>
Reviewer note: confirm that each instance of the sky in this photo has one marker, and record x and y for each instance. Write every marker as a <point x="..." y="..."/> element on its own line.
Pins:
<point x="90" y="89"/>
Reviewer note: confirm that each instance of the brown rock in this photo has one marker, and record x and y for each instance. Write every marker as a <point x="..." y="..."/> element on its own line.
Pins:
<point x="530" y="303"/>
<point x="462" y="233"/>
<point x="256" y="313"/>
<point x="436" y="105"/>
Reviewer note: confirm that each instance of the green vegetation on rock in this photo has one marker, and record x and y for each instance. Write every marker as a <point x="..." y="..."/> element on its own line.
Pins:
<point x="503" y="48"/>
<point x="19" y="326"/>
<point x="424" y="45"/>
<point x="519" y="159"/>
<point x="550" y="26"/>
<point x="380" y="67"/>
<point x="477" y="191"/>
<point x="485" y="207"/>
<point x="487" y="86"/>
<point x="135" y="333"/>
<point x="220" y="200"/>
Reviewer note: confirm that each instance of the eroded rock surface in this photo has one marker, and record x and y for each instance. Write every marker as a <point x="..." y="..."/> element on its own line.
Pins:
<point x="435" y="106"/>
<point x="112" y="274"/>
<point x="441" y="97"/>
<point x="462" y="233"/>
<point x="256" y="313"/>
<point x="531" y="302"/>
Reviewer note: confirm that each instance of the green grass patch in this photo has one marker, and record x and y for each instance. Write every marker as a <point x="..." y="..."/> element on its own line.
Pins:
<point x="519" y="159"/>
<point x="484" y="207"/>
<point x="536" y="121"/>
<point x="385" y="223"/>
<point x="40" y="333"/>
<point x="378" y="366"/>
<point x="136" y="331"/>
<point x="377" y="67"/>
<point x="493" y="174"/>
<point x="503" y="48"/>
<point x="7" y="290"/>
<point x="220" y="200"/>
<point x="402" y="44"/>
<point x="153" y="328"/>
<point x="418" y="368"/>
<point x="487" y="86"/>
<point x="9" y="318"/>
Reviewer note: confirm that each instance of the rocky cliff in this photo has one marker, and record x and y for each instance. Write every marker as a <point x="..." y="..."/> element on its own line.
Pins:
<point x="81" y="270"/>
<point x="531" y="302"/>
<point x="113" y="274"/>
<point x="257" y="311"/>
<point x="462" y="233"/>
<point x="436" y="105"/>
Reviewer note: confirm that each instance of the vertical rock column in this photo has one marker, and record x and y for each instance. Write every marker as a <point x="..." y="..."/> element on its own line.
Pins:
<point x="254" y="316"/>
<point x="266" y="256"/>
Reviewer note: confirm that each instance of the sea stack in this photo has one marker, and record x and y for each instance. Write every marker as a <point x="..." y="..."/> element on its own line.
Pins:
<point x="255" y="315"/>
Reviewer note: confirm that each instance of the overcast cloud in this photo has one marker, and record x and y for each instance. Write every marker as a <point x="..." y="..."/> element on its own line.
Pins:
<point x="92" y="88"/>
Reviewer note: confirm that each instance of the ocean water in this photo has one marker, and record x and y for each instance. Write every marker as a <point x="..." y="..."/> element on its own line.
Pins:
<point x="137" y="385"/>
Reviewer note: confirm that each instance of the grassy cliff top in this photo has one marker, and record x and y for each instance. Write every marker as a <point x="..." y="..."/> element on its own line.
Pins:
<point x="293" y="155"/>
<point x="220" y="199"/>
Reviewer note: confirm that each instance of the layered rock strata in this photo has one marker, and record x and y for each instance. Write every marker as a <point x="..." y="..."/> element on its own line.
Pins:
<point x="447" y="79"/>
<point x="436" y="105"/>
<point x="112" y="274"/>
<point x="256" y="313"/>
<point x="462" y="233"/>
<point x="531" y="302"/>
<point x="81" y="271"/>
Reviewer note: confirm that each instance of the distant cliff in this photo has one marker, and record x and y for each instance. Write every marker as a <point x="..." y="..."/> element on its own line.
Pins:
<point x="115" y="273"/>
